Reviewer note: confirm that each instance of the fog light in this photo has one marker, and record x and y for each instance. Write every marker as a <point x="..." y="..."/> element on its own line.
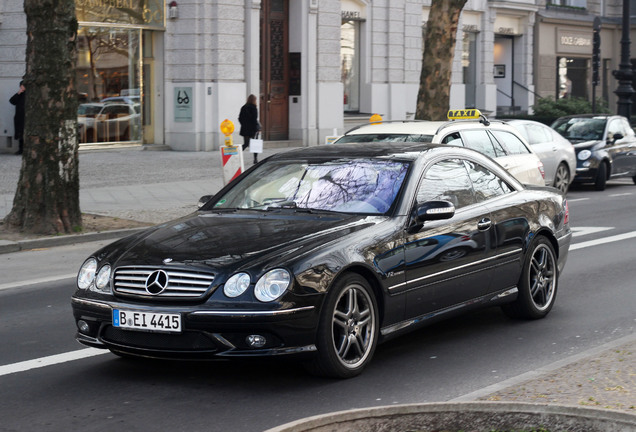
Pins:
<point x="83" y="326"/>
<point x="256" y="341"/>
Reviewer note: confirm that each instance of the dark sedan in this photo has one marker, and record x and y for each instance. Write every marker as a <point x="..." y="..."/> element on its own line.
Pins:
<point x="605" y="147"/>
<point x="324" y="252"/>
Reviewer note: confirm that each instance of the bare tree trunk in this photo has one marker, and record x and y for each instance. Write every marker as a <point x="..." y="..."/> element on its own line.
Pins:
<point x="437" y="61"/>
<point x="47" y="197"/>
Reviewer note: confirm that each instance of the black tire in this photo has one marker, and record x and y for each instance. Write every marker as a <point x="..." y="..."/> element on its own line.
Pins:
<point x="538" y="283"/>
<point x="562" y="178"/>
<point x="348" y="329"/>
<point x="634" y="179"/>
<point x="601" y="177"/>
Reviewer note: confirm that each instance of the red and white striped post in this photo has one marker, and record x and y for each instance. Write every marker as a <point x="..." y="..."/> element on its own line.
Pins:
<point x="231" y="155"/>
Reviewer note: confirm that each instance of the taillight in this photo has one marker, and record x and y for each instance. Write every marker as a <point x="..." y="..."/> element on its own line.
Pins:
<point x="566" y="207"/>
<point x="541" y="169"/>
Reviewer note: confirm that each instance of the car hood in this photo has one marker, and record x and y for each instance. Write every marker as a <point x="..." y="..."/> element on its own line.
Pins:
<point x="588" y="145"/>
<point x="228" y="241"/>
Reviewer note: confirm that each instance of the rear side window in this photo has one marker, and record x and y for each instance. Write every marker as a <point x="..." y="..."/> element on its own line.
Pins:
<point x="512" y="143"/>
<point x="486" y="183"/>
<point x="481" y="141"/>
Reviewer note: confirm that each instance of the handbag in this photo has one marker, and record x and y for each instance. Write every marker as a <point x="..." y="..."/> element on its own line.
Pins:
<point x="256" y="144"/>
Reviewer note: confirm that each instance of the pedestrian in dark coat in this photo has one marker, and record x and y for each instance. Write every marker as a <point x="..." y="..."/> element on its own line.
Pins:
<point x="248" y="117"/>
<point x="19" y="100"/>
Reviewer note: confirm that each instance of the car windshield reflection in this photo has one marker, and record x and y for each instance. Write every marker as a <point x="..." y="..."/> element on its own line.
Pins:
<point x="364" y="186"/>
<point x="586" y="129"/>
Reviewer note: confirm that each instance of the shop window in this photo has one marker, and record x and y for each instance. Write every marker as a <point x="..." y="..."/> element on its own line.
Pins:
<point x="108" y="83"/>
<point x="350" y="64"/>
<point x="572" y="77"/>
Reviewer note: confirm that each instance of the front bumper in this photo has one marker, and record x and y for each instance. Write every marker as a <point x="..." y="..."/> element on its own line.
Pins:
<point x="205" y="334"/>
<point x="586" y="173"/>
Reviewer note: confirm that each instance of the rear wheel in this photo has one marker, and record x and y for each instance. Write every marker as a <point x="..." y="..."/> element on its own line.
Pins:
<point x="601" y="177"/>
<point x="538" y="283"/>
<point x="348" y="329"/>
<point x="562" y="178"/>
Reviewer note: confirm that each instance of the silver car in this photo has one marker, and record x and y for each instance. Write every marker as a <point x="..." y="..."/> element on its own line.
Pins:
<point x="556" y="153"/>
<point x="470" y="129"/>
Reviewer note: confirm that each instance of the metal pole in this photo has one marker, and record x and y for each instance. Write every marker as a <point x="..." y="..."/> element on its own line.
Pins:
<point x="624" y="73"/>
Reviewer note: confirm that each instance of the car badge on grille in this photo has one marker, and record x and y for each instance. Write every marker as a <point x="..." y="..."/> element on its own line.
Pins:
<point x="157" y="282"/>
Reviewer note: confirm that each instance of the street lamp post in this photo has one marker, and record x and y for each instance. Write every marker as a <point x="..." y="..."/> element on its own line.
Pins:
<point x="624" y="73"/>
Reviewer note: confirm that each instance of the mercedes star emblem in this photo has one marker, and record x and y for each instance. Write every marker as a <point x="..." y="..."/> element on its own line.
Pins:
<point x="157" y="282"/>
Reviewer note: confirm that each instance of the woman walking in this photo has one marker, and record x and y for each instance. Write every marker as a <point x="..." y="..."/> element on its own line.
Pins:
<point x="248" y="117"/>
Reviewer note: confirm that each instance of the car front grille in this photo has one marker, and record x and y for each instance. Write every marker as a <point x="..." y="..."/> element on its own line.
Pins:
<point x="179" y="283"/>
<point x="183" y="342"/>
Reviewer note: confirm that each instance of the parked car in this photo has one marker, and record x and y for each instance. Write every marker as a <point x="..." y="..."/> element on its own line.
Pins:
<point x="496" y="139"/>
<point x="556" y="153"/>
<point x="323" y="253"/>
<point x="100" y="122"/>
<point x="605" y="147"/>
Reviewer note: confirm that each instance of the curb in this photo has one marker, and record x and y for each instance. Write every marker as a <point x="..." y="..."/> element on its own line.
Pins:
<point x="465" y="416"/>
<point x="47" y="242"/>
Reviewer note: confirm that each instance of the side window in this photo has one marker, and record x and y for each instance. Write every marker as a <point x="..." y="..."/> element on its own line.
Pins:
<point x="536" y="134"/>
<point x="627" y="128"/>
<point x="511" y="142"/>
<point x="615" y="127"/>
<point x="480" y="140"/>
<point x="448" y="181"/>
<point x="453" y="139"/>
<point x="486" y="184"/>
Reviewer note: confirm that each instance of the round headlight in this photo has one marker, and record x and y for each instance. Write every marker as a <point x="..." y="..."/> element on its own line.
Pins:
<point x="103" y="278"/>
<point x="86" y="274"/>
<point x="236" y="285"/>
<point x="272" y="285"/>
<point x="584" y="155"/>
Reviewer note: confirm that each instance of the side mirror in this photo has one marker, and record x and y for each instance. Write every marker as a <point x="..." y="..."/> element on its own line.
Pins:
<point x="434" y="210"/>
<point x="617" y="136"/>
<point x="204" y="199"/>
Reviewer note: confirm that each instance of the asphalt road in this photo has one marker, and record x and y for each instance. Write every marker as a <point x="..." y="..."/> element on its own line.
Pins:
<point x="595" y="305"/>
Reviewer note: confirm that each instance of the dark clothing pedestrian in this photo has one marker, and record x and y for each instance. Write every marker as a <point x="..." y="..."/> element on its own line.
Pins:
<point x="248" y="117"/>
<point x="19" y="100"/>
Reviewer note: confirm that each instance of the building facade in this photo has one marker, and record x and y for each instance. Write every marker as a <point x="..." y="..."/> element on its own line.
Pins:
<point x="170" y="71"/>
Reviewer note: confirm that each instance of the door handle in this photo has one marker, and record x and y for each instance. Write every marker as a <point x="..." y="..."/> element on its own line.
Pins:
<point x="484" y="224"/>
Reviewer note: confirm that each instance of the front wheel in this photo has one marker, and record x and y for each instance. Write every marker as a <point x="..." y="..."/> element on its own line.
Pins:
<point x="601" y="177"/>
<point x="348" y="329"/>
<point x="538" y="283"/>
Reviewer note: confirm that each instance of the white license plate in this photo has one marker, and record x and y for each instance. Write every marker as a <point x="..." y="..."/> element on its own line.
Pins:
<point x="148" y="321"/>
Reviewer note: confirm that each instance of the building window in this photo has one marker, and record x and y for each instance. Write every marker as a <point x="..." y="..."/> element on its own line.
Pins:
<point x="572" y="77"/>
<point x="469" y="68"/>
<point x="350" y="64"/>
<point x="569" y="3"/>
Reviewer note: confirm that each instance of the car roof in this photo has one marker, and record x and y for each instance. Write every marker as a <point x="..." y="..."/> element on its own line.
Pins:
<point x="383" y="150"/>
<point x="403" y="127"/>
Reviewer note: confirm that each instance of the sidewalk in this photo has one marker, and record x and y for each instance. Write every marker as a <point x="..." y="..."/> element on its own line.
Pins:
<point x="149" y="186"/>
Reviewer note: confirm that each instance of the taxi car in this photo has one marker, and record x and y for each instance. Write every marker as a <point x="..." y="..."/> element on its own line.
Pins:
<point x="605" y="147"/>
<point x="467" y="128"/>
<point x="324" y="252"/>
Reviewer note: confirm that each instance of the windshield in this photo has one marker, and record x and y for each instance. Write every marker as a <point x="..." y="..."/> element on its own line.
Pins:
<point x="89" y="110"/>
<point x="366" y="186"/>
<point x="581" y="128"/>
<point x="383" y="137"/>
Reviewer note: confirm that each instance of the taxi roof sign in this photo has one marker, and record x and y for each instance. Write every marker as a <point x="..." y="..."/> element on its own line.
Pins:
<point x="464" y="114"/>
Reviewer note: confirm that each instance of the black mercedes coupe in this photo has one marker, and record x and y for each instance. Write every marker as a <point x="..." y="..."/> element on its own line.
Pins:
<point x="323" y="252"/>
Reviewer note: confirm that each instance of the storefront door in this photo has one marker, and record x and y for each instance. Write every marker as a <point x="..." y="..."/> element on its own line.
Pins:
<point x="274" y="97"/>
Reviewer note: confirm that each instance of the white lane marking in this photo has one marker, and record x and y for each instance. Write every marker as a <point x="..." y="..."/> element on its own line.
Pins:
<point x="603" y="241"/>
<point x="577" y="200"/>
<point x="620" y="194"/>
<point x="581" y="231"/>
<point x="19" y="284"/>
<point x="50" y="360"/>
